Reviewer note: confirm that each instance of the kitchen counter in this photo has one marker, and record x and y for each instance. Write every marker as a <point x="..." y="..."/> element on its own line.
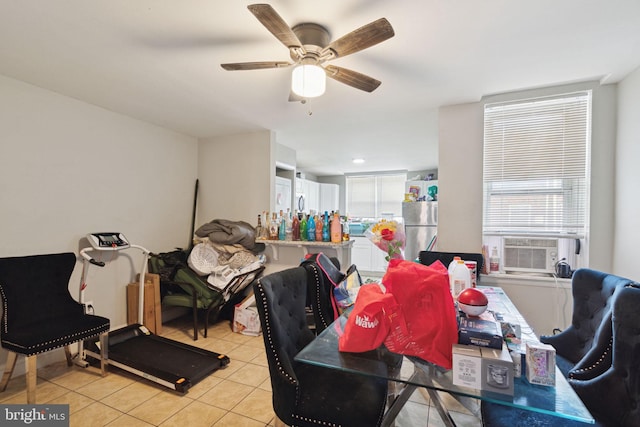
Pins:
<point x="282" y="254"/>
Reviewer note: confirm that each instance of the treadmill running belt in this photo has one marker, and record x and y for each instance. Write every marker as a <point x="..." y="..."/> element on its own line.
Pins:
<point x="162" y="357"/>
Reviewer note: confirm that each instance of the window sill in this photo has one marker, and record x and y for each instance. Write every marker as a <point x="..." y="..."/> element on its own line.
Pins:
<point x="501" y="279"/>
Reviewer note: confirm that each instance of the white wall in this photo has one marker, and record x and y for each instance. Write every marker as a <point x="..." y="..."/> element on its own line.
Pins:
<point x="68" y="168"/>
<point x="236" y="175"/>
<point x="460" y="196"/>
<point x="460" y="172"/>
<point x="627" y="179"/>
<point x="460" y="178"/>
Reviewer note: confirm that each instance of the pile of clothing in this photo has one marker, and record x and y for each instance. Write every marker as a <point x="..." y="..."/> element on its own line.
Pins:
<point x="226" y="250"/>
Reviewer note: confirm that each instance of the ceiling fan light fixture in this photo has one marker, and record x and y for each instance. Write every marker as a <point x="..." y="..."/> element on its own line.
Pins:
<point x="308" y="80"/>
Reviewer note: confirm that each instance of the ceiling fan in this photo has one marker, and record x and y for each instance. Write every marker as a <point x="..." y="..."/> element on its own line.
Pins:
<point x="309" y="45"/>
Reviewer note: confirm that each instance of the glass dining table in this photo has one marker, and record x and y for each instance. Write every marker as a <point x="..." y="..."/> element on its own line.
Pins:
<point x="409" y="373"/>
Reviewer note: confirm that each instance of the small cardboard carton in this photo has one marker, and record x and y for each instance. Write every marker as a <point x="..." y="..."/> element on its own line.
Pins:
<point x="152" y="308"/>
<point x="480" y="332"/>
<point x="497" y="370"/>
<point x="467" y="365"/>
<point x="541" y="364"/>
<point x="245" y="317"/>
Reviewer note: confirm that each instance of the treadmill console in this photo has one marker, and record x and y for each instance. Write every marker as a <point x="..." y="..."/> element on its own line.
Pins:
<point x="108" y="241"/>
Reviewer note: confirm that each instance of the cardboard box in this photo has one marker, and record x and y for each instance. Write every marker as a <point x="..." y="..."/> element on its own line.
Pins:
<point x="480" y="332"/>
<point x="245" y="317"/>
<point x="541" y="364"/>
<point x="152" y="310"/>
<point x="467" y="365"/>
<point x="497" y="370"/>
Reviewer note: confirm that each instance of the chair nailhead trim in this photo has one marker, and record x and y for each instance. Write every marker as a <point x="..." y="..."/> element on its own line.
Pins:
<point x="58" y="342"/>
<point x="267" y="322"/>
<point x="597" y="363"/>
<point x="319" y="422"/>
<point x="316" y="276"/>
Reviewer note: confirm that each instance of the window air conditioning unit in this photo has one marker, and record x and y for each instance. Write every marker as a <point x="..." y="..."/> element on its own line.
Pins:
<point x="529" y="255"/>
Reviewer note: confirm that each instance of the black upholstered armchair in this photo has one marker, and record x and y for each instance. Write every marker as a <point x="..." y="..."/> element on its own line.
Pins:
<point x="612" y="393"/>
<point x="592" y="301"/>
<point x="39" y="314"/>
<point x="320" y="289"/>
<point x="307" y="395"/>
<point x="429" y="257"/>
<point x="599" y="353"/>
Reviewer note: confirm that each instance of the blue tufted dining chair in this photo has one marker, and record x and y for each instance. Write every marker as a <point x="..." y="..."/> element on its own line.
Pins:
<point x="39" y="314"/>
<point x="599" y="353"/>
<point x="308" y="395"/>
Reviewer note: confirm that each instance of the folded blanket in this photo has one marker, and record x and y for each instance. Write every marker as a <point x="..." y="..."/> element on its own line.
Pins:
<point x="228" y="232"/>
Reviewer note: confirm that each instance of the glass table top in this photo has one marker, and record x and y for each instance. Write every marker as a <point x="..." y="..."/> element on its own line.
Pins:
<point x="561" y="400"/>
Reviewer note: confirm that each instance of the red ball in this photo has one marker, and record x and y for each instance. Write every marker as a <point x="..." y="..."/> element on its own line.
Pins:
<point x="472" y="301"/>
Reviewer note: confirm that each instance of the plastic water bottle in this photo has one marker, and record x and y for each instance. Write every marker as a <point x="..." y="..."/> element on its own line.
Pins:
<point x="494" y="261"/>
<point x="460" y="278"/>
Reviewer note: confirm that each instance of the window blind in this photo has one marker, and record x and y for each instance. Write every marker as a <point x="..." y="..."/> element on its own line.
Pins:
<point x="370" y="196"/>
<point x="536" y="165"/>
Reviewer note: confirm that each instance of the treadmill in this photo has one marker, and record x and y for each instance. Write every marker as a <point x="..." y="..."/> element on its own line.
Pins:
<point x="134" y="348"/>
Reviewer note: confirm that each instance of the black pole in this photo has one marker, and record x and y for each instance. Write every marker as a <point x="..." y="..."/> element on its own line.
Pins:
<point x="193" y="216"/>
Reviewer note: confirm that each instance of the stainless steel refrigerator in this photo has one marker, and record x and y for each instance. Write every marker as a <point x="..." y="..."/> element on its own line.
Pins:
<point x="420" y="226"/>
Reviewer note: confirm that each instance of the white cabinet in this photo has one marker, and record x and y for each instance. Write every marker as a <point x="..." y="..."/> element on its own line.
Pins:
<point x="283" y="194"/>
<point x="367" y="256"/>
<point x="329" y="197"/>
<point x="361" y="253"/>
<point x="317" y="197"/>
<point x="310" y="193"/>
<point x="378" y="263"/>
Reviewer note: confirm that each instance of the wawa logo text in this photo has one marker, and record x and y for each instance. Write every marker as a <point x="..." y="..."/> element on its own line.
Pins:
<point x="365" y="322"/>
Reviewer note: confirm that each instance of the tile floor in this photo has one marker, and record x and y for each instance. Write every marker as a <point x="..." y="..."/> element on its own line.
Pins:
<point x="238" y="395"/>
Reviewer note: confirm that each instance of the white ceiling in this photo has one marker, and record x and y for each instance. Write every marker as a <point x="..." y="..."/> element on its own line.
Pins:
<point x="159" y="61"/>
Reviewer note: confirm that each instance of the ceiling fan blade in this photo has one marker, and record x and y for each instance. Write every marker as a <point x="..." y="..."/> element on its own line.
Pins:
<point x="362" y="38"/>
<point x="275" y="24"/>
<point x="352" y="78"/>
<point x="255" y="65"/>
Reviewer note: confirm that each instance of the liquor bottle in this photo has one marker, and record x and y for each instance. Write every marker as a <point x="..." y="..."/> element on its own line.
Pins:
<point x="336" y="229"/>
<point x="303" y="227"/>
<point x="345" y="230"/>
<point x="273" y="227"/>
<point x="282" y="229"/>
<point x="265" y="225"/>
<point x="295" y="228"/>
<point x="319" y="227"/>
<point x="259" y="228"/>
<point x="326" y="235"/>
<point x="311" y="229"/>
<point x="289" y="231"/>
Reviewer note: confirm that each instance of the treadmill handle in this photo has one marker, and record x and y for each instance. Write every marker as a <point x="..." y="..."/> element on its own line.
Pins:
<point x="98" y="263"/>
<point x="86" y="256"/>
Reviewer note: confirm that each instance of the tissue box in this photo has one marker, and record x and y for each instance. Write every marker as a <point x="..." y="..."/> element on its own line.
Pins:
<point x="497" y="370"/>
<point x="467" y="365"/>
<point x="541" y="364"/>
<point x="483" y="333"/>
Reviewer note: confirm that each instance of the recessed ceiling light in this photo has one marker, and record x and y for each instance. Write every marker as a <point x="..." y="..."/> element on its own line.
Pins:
<point x="358" y="160"/>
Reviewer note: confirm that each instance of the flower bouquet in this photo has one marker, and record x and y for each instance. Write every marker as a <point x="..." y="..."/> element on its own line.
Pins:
<point x="388" y="235"/>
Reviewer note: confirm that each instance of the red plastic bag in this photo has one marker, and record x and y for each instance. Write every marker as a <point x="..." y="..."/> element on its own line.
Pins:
<point x="427" y="328"/>
<point x="369" y="321"/>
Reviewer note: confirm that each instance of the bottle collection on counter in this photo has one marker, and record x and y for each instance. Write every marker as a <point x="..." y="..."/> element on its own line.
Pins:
<point x="312" y="227"/>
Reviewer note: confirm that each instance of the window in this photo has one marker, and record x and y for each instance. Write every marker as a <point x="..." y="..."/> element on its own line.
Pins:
<point x="372" y="196"/>
<point x="536" y="166"/>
